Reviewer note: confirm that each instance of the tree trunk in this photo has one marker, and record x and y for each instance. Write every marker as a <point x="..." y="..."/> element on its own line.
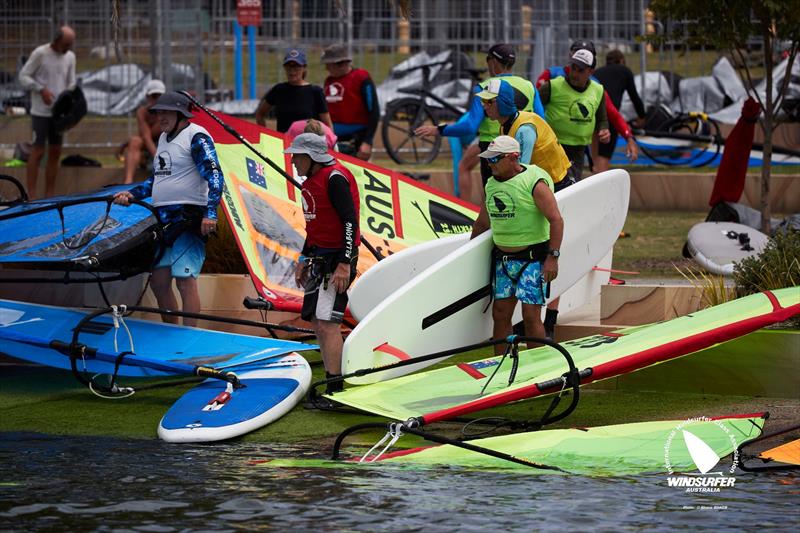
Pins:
<point x="768" y="124"/>
<point x="766" y="168"/>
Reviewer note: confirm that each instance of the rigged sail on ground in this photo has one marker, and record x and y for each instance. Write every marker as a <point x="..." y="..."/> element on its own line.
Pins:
<point x="456" y="390"/>
<point x="80" y="232"/>
<point x="265" y="211"/>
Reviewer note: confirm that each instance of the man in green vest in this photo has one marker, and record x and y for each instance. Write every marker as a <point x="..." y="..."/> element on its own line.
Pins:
<point x="574" y="108"/>
<point x="527" y="229"/>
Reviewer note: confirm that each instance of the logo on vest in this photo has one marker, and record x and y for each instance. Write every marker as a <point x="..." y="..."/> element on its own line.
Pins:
<point x="163" y="165"/>
<point x="335" y="92"/>
<point x="309" y="206"/>
<point x="580" y="112"/>
<point x="501" y="206"/>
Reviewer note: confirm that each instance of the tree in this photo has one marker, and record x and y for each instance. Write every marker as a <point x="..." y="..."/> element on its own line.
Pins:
<point x="734" y="25"/>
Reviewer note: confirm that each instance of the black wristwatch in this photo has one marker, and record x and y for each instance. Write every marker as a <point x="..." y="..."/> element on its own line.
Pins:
<point x="554" y="253"/>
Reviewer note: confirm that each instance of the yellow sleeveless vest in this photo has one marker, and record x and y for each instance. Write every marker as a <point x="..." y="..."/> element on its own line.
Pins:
<point x="547" y="152"/>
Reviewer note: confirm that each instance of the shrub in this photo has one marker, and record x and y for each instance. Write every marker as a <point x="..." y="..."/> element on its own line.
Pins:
<point x="777" y="267"/>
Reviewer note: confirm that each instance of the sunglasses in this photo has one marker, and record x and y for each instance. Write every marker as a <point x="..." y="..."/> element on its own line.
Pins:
<point x="495" y="159"/>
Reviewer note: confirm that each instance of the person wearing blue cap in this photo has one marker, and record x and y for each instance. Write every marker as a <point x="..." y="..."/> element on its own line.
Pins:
<point x="500" y="60"/>
<point x="538" y="143"/>
<point x="295" y="99"/>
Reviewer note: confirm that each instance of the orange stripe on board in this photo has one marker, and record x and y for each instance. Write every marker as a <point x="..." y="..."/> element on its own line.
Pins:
<point x="391" y="350"/>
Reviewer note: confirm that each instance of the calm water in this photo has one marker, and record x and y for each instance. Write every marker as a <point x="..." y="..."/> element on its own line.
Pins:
<point x="89" y="484"/>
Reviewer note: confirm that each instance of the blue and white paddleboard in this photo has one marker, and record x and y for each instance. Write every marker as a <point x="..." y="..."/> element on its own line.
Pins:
<point x="26" y="331"/>
<point x="211" y="411"/>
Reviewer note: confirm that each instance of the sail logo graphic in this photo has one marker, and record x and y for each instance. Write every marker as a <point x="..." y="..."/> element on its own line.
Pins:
<point x="685" y="449"/>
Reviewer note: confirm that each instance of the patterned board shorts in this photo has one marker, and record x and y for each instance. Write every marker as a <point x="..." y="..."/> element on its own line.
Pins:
<point x="513" y="278"/>
<point x="185" y="257"/>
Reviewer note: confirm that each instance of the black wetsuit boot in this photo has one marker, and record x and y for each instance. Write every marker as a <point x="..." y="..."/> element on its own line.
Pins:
<point x="550" y="318"/>
<point x="334" y="386"/>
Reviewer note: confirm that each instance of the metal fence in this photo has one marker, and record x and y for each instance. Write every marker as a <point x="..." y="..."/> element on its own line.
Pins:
<point x="199" y="36"/>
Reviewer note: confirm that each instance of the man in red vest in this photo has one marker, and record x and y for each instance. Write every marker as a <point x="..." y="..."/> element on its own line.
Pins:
<point x="327" y="264"/>
<point x="352" y="102"/>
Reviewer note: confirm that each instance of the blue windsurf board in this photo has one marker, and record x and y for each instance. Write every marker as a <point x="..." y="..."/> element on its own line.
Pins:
<point x="214" y="411"/>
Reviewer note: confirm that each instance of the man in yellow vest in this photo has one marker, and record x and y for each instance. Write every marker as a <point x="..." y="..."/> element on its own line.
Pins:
<point x="527" y="229"/>
<point x="538" y="142"/>
<point x="574" y="108"/>
<point x="500" y="60"/>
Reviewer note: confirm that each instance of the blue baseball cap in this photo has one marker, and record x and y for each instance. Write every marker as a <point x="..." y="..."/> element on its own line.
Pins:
<point x="295" y="55"/>
<point x="504" y="92"/>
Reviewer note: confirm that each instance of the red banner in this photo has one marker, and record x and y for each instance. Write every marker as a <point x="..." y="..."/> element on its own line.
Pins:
<point x="248" y="12"/>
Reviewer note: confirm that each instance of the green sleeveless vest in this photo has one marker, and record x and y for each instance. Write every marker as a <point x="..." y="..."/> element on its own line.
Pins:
<point x="570" y="113"/>
<point x="513" y="215"/>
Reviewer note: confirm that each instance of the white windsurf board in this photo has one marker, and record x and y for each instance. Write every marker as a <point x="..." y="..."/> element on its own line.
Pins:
<point x="447" y="305"/>
<point x="718" y="246"/>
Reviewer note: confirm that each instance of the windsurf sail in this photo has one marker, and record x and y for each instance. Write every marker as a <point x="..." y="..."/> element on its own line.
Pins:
<point x="81" y="233"/>
<point x="617" y="450"/>
<point x="265" y="211"/>
<point x="464" y="388"/>
<point x="99" y="343"/>
<point x="785" y="456"/>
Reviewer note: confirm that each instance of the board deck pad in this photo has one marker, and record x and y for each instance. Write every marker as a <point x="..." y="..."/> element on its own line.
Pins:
<point x="270" y="391"/>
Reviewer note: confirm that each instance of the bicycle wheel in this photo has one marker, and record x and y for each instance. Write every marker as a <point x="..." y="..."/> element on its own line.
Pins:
<point x="402" y="117"/>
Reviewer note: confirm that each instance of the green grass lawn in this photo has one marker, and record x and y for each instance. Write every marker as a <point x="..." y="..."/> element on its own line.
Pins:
<point x="654" y="242"/>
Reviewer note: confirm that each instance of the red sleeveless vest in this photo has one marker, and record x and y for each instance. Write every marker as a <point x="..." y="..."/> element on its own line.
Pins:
<point x="343" y="96"/>
<point x="324" y="228"/>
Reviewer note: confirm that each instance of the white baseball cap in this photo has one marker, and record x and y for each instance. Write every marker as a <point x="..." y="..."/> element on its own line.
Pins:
<point x="154" y="87"/>
<point x="501" y="145"/>
<point x="583" y="57"/>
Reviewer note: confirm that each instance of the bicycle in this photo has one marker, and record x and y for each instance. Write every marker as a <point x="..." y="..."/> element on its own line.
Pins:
<point x="404" y="115"/>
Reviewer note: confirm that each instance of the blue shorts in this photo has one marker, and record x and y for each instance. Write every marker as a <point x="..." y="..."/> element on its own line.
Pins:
<point x="513" y="278"/>
<point x="185" y="257"/>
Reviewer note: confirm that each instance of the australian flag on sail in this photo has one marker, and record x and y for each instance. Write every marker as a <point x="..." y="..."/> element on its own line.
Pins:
<point x="255" y="173"/>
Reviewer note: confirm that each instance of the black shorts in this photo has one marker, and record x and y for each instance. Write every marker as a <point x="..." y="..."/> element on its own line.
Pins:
<point x="320" y="299"/>
<point x="607" y="149"/>
<point x="43" y="130"/>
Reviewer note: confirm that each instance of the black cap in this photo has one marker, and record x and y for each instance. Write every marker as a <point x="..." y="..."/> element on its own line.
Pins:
<point x="504" y="53"/>
<point x="173" y="101"/>
<point x="583" y="45"/>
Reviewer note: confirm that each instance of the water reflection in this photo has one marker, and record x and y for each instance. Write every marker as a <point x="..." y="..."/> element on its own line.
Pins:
<point x="138" y="485"/>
